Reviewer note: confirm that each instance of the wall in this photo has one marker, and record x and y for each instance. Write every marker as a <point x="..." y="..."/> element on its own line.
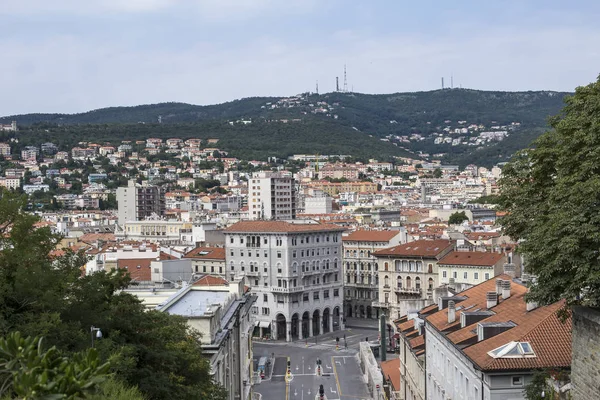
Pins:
<point x="370" y="369"/>
<point x="585" y="367"/>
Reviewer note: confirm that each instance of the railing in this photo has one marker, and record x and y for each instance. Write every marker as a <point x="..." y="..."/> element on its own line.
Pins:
<point x="296" y="289"/>
<point x="408" y="290"/>
<point x="252" y="273"/>
<point x="380" y="304"/>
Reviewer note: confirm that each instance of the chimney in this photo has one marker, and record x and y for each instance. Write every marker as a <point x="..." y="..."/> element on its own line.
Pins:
<point x="505" y="289"/>
<point x="499" y="286"/>
<point x="451" y="312"/>
<point x="451" y="284"/>
<point x="509" y="269"/>
<point x="492" y="299"/>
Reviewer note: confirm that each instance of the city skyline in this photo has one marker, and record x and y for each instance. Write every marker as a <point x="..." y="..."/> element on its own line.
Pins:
<point x="71" y="57"/>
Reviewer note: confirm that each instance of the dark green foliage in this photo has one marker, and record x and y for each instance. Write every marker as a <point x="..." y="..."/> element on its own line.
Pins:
<point x="457" y="218"/>
<point x="29" y="371"/>
<point x="491" y="199"/>
<point x="359" y="115"/>
<point x="552" y="195"/>
<point x="45" y="295"/>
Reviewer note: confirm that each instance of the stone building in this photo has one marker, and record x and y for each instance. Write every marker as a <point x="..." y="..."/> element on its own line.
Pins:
<point x="295" y="269"/>
<point x="360" y="269"/>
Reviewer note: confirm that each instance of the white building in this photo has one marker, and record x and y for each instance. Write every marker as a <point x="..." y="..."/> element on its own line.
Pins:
<point x="271" y="196"/>
<point x="294" y="269"/>
<point x="322" y="204"/>
<point x="221" y="312"/>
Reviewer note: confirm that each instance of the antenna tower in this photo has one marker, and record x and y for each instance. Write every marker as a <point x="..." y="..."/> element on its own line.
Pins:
<point x="317" y="87"/>
<point x="442" y="83"/>
<point x="337" y="84"/>
<point x="451" y="82"/>
<point x="345" y="81"/>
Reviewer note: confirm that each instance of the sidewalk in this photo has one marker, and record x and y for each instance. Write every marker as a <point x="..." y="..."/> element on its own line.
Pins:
<point x="363" y="323"/>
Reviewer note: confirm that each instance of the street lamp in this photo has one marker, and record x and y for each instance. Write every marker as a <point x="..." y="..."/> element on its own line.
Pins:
<point x="95" y="332"/>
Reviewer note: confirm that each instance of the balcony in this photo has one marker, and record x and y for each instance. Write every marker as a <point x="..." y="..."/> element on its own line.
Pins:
<point x="386" y="288"/>
<point x="380" y="304"/>
<point x="296" y="289"/>
<point x="253" y="273"/>
<point x="406" y="290"/>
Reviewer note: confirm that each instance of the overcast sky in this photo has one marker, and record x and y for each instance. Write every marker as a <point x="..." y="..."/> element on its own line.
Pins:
<point x="76" y="55"/>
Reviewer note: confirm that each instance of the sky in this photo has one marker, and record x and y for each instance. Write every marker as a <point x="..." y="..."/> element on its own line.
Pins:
<point x="76" y="55"/>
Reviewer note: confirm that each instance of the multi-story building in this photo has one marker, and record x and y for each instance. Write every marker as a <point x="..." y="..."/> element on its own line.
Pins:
<point x="487" y="342"/>
<point x="82" y="153"/>
<point x="335" y="188"/>
<point x="137" y="202"/>
<point x="221" y="312"/>
<point x="74" y="201"/>
<point x="29" y="153"/>
<point x="49" y="148"/>
<point x="360" y="269"/>
<point x="463" y="269"/>
<point x="4" y="149"/>
<point x="408" y="275"/>
<point x="338" y="171"/>
<point x="295" y="270"/>
<point x="207" y="260"/>
<point x="9" y="127"/>
<point x="11" y="182"/>
<point x="271" y="196"/>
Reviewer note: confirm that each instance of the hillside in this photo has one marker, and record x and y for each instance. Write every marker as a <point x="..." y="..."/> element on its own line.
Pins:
<point x="455" y="125"/>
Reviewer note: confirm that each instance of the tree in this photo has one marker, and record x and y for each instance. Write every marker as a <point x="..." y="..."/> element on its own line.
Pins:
<point x="457" y="218"/>
<point x="551" y="193"/>
<point x="437" y="173"/>
<point x="44" y="294"/>
<point x="30" y="372"/>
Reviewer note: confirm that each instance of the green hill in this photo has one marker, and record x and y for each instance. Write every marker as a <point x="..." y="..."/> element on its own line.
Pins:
<point x="329" y="123"/>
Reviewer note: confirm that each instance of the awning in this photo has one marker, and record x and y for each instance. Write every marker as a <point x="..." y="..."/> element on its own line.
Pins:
<point x="262" y="324"/>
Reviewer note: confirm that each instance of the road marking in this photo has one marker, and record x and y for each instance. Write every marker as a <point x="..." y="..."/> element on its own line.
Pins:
<point x="337" y="362"/>
<point x="332" y="391"/>
<point x="337" y="381"/>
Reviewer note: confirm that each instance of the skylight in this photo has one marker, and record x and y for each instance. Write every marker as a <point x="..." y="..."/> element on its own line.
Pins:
<point x="513" y="350"/>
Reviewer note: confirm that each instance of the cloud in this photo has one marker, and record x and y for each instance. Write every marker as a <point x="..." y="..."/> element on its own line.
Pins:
<point x="72" y="73"/>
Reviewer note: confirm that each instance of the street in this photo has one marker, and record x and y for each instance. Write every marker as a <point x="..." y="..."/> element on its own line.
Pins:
<point x="340" y="373"/>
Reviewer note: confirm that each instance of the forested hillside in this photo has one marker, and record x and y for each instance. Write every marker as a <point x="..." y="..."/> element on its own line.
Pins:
<point x="456" y="125"/>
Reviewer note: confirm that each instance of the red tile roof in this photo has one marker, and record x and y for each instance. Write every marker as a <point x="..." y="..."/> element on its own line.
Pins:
<point x="206" y="253"/>
<point x="138" y="268"/>
<point x="476" y="258"/>
<point x="370" y="236"/>
<point x="549" y="338"/>
<point x="391" y="371"/>
<point x="419" y="248"/>
<point x="280" y="227"/>
<point x="210" y="280"/>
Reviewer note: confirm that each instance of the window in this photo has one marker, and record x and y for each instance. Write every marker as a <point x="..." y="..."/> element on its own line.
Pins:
<point x="294" y="254"/>
<point x="265" y="298"/>
<point x="476" y="275"/>
<point x="242" y="240"/>
<point x="241" y="253"/>
<point x="487" y="276"/>
<point x="315" y="295"/>
<point x="305" y="297"/>
<point x="254" y="310"/>
<point x="256" y="282"/>
<point x="444" y="274"/>
<point x="517" y="380"/>
<point x="336" y="292"/>
<point x="455" y="274"/>
<point x="265" y="311"/>
<point x="326" y="294"/>
<point x="231" y="240"/>
<point x="278" y="254"/>
<point x="465" y="275"/>
<point x="231" y="253"/>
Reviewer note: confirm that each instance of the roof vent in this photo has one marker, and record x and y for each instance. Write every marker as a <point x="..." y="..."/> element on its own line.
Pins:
<point x="486" y="330"/>
<point x="509" y="269"/>
<point x="470" y="317"/>
<point x="498" y="286"/>
<point x="492" y="299"/>
<point x="505" y="289"/>
<point x="451" y="312"/>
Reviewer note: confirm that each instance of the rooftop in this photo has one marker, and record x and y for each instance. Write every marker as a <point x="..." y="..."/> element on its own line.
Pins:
<point x="420" y="248"/>
<point x="370" y="236"/>
<point x="280" y="227"/>
<point x="477" y="258"/>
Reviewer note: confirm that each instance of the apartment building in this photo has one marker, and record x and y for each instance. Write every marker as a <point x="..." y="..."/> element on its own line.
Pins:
<point x="30" y="153"/>
<point x="137" y="202"/>
<point x="488" y="341"/>
<point x="295" y="270"/>
<point x="271" y="196"/>
<point x="208" y="260"/>
<point x="463" y="269"/>
<point x="408" y="275"/>
<point x="361" y="280"/>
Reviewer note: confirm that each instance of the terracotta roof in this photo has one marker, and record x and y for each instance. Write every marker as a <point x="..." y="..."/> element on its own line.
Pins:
<point x="549" y="338"/>
<point x="478" y="258"/>
<point x="94" y="237"/>
<point x="482" y="235"/>
<point x="138" y="268"/>
<point x="165" y="256"/>
<point x="210" y="280"/>
<point x="280" y="227"/>
<point x="207" y="253"/>
<point x="370" y="236"/>
<point x="391" y="371"/>
<point x="419" y="248"/>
